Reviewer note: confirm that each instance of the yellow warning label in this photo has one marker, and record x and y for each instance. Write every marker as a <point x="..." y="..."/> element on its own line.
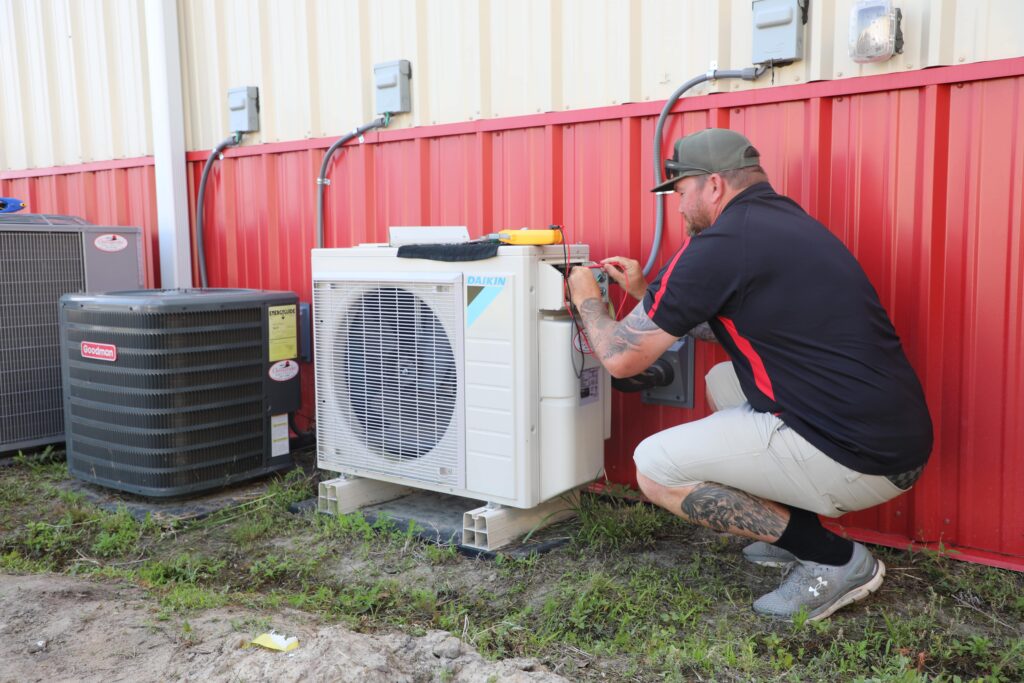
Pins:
<point x="283" y="332"/>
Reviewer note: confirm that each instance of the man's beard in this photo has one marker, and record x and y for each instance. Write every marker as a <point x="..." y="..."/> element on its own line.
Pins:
<point x="698" y="222"/>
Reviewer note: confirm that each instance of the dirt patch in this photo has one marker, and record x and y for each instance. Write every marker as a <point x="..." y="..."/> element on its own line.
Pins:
<point x="58" y="628"/>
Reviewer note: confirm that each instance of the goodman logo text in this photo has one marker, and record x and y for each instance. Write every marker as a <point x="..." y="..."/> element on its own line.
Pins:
<point x="481" y="281"/>
<point x="98" y="351"/>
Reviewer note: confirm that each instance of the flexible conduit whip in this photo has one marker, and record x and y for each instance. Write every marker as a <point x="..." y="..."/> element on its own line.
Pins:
<point x="322" y="179"/>
<point x="201" y="201"/>
<point x="749" y="74"/>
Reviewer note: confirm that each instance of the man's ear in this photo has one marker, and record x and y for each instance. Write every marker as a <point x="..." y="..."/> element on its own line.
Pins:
<point x="717" y="186"/>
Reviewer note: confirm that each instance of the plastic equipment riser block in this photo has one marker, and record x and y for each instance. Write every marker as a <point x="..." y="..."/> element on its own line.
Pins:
<point x="344" y="495"/>
<point x="488" y="528"/>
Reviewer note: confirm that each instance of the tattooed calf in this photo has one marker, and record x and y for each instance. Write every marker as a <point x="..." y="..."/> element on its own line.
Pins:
<point x="724" y="509"/>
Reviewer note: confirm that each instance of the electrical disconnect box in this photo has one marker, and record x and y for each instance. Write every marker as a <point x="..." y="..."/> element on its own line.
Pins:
<point x="778" y="31"/>
<point x="679" y="391"/>
<point x="244" y="109"/>
<point x="391" y="84"/>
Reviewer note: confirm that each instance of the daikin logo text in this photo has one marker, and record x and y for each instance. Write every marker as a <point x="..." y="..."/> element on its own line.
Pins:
<point x="482" y="281"/>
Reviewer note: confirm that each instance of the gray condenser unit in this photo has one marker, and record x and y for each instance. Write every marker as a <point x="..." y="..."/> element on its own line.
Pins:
<point x="172" y="392"/>
<point x="41" y="258"/>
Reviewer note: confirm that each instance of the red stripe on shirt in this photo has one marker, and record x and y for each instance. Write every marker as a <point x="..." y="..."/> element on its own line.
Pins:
<point x="664" y="281"/>
<point x="761" y="378"/>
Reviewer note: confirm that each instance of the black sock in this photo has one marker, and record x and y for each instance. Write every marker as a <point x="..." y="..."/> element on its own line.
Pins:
<point x="806" y="538"/>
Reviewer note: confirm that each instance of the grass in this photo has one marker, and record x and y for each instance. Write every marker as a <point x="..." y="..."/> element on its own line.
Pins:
<point x="637" y="594"/>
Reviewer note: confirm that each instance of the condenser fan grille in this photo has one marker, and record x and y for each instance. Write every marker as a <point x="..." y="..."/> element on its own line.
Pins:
<point x="35" y="269"/>
<point x="388" y="355"/>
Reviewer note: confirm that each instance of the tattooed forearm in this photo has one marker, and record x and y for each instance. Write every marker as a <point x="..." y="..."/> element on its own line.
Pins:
<point x="610" y="338"/>
<point x="703" y="332"/>
<point x="727" y="509"/>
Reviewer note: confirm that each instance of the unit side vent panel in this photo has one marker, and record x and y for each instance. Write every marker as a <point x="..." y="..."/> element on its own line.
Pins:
<point x="36" y="268"/>
<point x="388" y="370"/>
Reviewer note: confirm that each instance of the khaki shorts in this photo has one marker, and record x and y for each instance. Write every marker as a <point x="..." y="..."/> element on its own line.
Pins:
<point x="757" y="453"/>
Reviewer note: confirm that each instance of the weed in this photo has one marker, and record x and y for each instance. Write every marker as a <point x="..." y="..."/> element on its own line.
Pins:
<point x="618" y="523"/>
<point x="516" y="566"/>
<point x="184" y="568"/>
<point x="43" y="539"/>
<point x="338" y="527"/>
<point x="185" y="596"/>
<point x="440" y="554"/>
<point x="119" y="534"/>
<point x="253" y="528"/>
<point x="47" y="463"/>
<point x="319" y="600"/>
<point x="14" y="562"/>
<point x="188" y="634"/>
<point x="293" y="487"/>
<point x="275" y="568"/>
<point x="257" y="624"/>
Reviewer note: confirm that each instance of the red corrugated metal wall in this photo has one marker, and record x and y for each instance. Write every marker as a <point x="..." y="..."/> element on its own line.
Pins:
<point x="920" y="174"/>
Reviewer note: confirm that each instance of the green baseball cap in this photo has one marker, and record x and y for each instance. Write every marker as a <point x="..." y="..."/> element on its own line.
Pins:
<point x="712" y="150"/>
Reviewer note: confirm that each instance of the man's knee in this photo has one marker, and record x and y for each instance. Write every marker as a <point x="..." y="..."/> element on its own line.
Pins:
<point x="648" y="486"/>
<point x="661" y="495"/>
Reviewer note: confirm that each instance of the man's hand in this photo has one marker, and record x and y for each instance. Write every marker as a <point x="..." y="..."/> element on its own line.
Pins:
<point x="582" y="286"/>
<point x="627" y="273"/>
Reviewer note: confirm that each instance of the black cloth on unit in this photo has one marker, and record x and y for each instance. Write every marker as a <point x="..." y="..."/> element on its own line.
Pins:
<point x="467" y="251"/>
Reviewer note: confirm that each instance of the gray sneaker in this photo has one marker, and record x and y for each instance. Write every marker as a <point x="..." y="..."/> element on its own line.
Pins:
<point x="823" y="588"/>
<point x="768" y="555"/>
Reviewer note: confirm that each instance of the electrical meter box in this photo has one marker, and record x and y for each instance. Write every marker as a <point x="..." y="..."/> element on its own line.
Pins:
<point x="244" y="109"/>
<point x="778" y="31"/>
<point x="391" y="83"/>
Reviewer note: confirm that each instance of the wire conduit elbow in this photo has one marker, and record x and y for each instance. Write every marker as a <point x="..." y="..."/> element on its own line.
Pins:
<point x="748" y="74"/>
<point x="322" y="180"/>
<point x="235" y="139"/>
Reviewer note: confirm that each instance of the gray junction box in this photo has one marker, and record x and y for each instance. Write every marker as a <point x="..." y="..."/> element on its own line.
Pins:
<point x="391" y="83"/>
<point x="244" y="109"/>
<point x="41" y="258"/>
<point x="778" y="31"/>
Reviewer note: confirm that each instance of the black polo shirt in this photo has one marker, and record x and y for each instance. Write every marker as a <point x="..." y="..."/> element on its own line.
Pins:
<point x="805" y="330"/>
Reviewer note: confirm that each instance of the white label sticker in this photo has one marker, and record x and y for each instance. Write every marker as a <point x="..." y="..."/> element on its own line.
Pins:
<point x="590" y="382"/>
<point x="110" y="243"/>
<point x="278" y="435"/>
<point x="283" y="370"/>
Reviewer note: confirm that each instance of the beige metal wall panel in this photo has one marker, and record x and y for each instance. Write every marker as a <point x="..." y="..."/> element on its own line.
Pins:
<point x="679" y="40"/>
<point x="600" y="56"/>
<point x="457" y="52"/>
<point x="340" y="96"/>
<point x="77" y="68"/>
<point x="77" y="71"/>
<point x="522" y="62"/>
